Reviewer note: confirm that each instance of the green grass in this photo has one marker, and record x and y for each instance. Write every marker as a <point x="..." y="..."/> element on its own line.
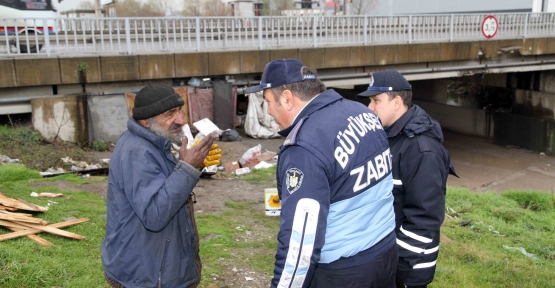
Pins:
<point x="262" y="176"/>
<point x="472" y="256"/>
<point x="31" y="149"/>
<point x="476" y="256"/>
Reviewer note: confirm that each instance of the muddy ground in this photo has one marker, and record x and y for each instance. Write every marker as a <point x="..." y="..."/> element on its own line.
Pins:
<point x="481" y="165"/>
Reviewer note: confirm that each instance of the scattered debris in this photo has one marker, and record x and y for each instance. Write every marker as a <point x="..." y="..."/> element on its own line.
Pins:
<point x="242" y="171"/>
<point x="263" y="164"/>
<point x="230" y="135"/>
<point x="77" y="166"/>
<point x="23" y="224"/>
<point x="250" y="154"/>
<point x="522" y="250"/>
<point x="7" y="160"/>
<point x="46" y="194"/>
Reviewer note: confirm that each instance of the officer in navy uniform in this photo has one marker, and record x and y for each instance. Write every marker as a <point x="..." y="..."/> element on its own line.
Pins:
<point x="334" y="182"/>
<point x="420" y="168"/>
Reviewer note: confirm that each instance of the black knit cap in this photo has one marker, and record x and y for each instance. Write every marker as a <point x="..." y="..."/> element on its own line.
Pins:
<point x="155" y="99"/>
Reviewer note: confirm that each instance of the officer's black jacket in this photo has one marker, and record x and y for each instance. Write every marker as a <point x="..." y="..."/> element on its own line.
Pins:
<point x="420" y="168"/>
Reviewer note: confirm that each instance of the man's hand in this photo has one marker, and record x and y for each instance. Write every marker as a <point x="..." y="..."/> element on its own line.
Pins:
<point x="195" y="155"/>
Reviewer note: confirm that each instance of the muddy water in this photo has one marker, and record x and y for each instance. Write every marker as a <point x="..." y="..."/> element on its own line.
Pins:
<point x="484" y="166"/>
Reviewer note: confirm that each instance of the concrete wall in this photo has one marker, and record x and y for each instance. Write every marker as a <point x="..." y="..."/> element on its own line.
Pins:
<point x="534" y="104"/>
<point x="458" y="119"/>
<point x="62" y="117"/>
<point x="108" y="117"/>
<point x="25" y="72"/>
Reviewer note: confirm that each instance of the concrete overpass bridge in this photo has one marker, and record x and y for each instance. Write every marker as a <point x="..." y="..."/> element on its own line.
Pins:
<point x="83" y="67"/>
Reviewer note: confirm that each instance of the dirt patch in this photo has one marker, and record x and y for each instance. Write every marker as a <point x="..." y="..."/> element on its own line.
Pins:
<point x="99" y="185"/>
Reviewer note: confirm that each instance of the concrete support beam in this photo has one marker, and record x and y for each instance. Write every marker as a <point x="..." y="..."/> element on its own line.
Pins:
<point x="254" y="61"/>
<point x="7" y="73"/>
<point x="156" y="66"/>
<point x="120" y="68"/>
<point x="429" y="52"/>
<point x="222" y="63"/>
<point x="385" y="54"/>
<point x="313" y="57"/>
<point x="337" y="57"/>
<point x="283" y="54"/>
<point x="34" y="72"/>
<point x="69" y="69"/>
<point x="362" y="56"/>
<point x="191" y="64"/>
<point x="61" y="117"/>
<point x="407" y="53"/>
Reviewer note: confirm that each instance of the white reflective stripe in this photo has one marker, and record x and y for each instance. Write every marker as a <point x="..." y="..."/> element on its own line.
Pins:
<point x="415" y="236"/>
<point x="416" y="249"/>
<point x="424" y="265"/>
<point x="298" y="257"/>
<point x="397" y="182"/>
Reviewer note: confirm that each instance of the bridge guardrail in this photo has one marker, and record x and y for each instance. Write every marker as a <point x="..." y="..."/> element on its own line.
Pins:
<point x="138" y="35"/>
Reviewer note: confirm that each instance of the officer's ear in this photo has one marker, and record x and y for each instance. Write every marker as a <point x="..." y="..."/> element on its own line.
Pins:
<point x="398" y="102"/>
<point x="287" y="100"/>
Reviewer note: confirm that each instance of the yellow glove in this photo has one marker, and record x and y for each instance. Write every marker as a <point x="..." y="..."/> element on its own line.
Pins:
<point x="213" y="157"/>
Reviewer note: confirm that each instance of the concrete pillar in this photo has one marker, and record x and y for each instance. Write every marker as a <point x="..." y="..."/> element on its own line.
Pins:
<point x="430" y="90"/>
<point x="547" y="81"/>
<point x="62" y="117"/>
<point x="534" y="104"/>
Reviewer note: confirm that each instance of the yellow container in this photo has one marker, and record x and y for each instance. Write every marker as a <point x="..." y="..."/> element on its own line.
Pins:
<point x="271" y="202"/>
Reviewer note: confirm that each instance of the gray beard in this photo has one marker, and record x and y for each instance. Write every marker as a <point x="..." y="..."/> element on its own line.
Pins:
<point x="159" y="130"/>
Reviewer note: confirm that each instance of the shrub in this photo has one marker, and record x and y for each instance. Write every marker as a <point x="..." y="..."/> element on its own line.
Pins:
<point x="99" y="145"/>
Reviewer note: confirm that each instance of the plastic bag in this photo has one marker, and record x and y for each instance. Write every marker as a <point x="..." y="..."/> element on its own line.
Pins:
<point x="230" y="135"/>
<point x="250" y="154"/>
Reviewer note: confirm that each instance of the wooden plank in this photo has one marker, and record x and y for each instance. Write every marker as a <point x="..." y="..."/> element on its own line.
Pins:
<point x="21" y="219"/>
<point x="16" y="213"/>
<point x="34" y="238"/>
<point x="20" y="204"/>
<point x="34" y="231"/>
<point x="53" y="230"/>
<point x="5" y="208"/>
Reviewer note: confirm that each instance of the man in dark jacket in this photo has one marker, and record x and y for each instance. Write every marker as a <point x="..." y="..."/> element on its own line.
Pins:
<point x="334" y="181"/>
<point x="151" y="237"/>
<point x="420" y="168"/>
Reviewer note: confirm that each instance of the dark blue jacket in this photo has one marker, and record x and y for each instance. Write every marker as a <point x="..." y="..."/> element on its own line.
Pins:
<point x="334" y="181"/>
<point x="150" y="232"/>
<point x="420" y="168"/>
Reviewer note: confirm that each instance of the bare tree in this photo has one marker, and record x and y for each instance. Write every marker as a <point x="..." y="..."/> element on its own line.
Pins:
<point x="362" y="7"/>
<point x="275" y="7"/>
<point x="206" y="8"/>
<point x="86" y="5"/>
<point x="135" y="8"/>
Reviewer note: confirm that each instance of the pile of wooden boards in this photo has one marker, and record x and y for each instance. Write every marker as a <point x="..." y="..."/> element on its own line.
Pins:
<point x="24" y="224"/>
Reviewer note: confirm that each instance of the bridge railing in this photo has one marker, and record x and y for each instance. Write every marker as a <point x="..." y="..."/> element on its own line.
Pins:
<point x="21" y="36"/>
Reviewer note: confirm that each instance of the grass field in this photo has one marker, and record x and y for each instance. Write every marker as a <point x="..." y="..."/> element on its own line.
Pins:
<point x="483" y="253"/>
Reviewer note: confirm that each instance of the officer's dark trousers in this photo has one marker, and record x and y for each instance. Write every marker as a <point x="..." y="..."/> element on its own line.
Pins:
<point x="378" y="273"/>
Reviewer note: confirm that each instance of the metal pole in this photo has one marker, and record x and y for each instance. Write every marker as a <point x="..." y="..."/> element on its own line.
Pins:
<point x="451" y="28"/>
<point x="365" y="30"/>
<point x="315" y="38"/>
<point x="525" y="25"/>
<point x="128" y="35"/>
<point x="198" y="33"/>
<point x="410" y="29"/>
<point x="45" y="32"/>
<point x="259" y="32"/>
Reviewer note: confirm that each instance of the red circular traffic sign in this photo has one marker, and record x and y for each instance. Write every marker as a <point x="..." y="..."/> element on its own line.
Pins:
<point x="490" y="26"/>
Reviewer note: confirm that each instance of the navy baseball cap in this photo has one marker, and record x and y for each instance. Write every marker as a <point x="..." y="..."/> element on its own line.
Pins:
<point x="281" y="72"/>
<point x="386" y="81"/>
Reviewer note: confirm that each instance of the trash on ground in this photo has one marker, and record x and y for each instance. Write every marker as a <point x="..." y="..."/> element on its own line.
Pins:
<point x="242" y="171"/>
<point x="263" y="165"/>
<point x="264" y="157"/>
<point x="250" y="154"/>
<point x="24" y="224"/>
<point x="522" y="250"/>
<point x="7" y="160"/>
<point x="231" y="167"/>
<point x="46" y="194"/>
<point x="230" y="135"/>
